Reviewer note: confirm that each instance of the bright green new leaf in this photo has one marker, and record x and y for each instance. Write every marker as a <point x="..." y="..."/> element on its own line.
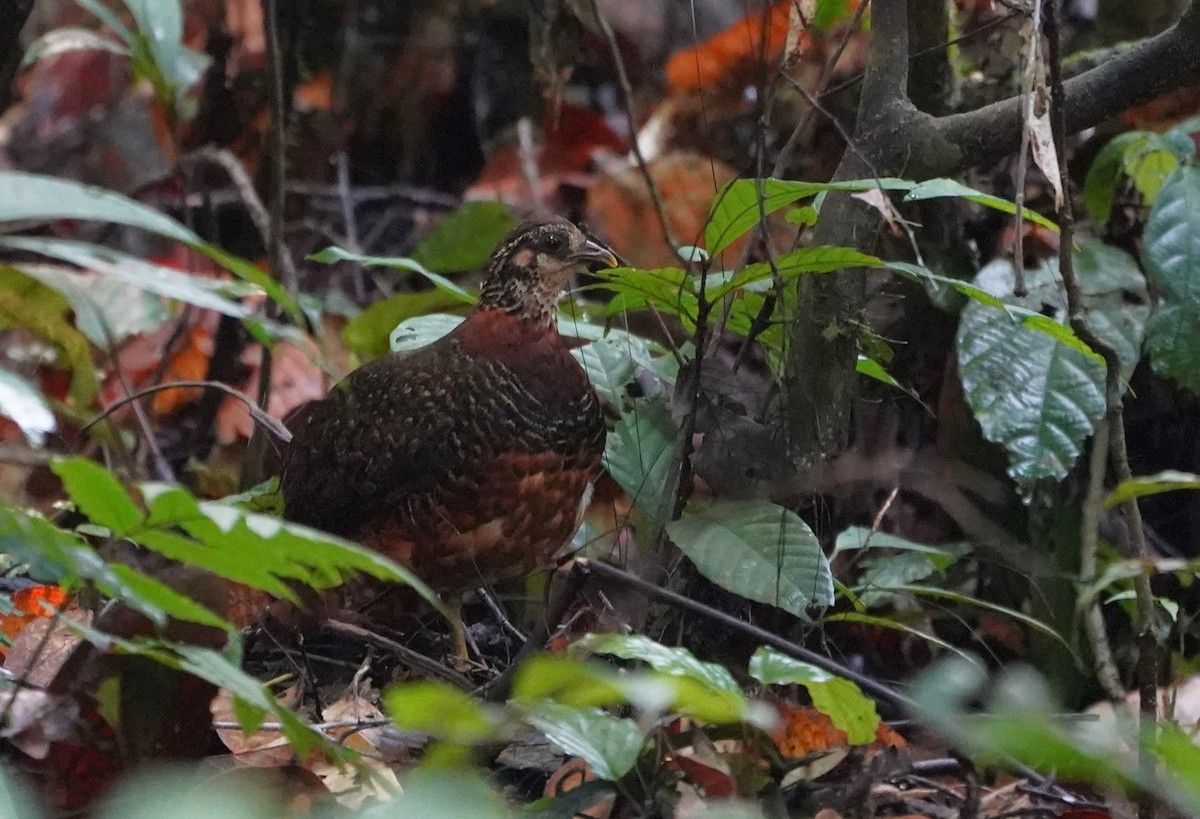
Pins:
<point x="98" y="494"/>
<point x="440" y="710"/>
<point x="838" y="698"/>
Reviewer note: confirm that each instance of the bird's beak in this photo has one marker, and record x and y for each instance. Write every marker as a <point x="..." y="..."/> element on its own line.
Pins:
<point x="595" y="252"/>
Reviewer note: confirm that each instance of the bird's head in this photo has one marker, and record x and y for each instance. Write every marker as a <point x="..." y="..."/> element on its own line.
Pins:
<point x="529" y="270"/>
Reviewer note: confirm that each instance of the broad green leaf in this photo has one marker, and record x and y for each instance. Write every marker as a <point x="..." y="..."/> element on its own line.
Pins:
<point x="1172" y="241"/>
<point x="27" y="196"/>
<point x="1172" y="238"/>
<point x="758" y="550"/>
<point x="568" y="681"/>
<point x="610" y="745"/>
<point x="1167" y="481"/>
<point x="1117" y="302"/>
<point x="943" y="188"/>
<point x="1036" y="396"/>
<point x="98" y="494"/>
<point x="465" y="239"/>
<point x="1173" y="342"/>
<point x="736" y="209"/>
<point x="838" y="698"/>
<point x="609" y="367"/>
<point x="331" y="255"/>
<point x="367" y="333"/>
<point x="677" y="662"/>
<point x="22" y="403"/>
<point x="883" y="576"/>
<point x="1100" y="185"/>
<point x="639" y="450"/>
<point x="107" y="311"/>
<point x="29" y="304"/>
<point x="1149" y="166"/>
<point x="703" y="690"/>
<point x="68" y="39"/>
<point x="440" y="710"/>
<point x="132" y="270"/>
<point x="419" y="331"/>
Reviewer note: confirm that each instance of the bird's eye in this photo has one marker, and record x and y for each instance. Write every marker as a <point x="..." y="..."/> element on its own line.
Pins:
<point x="554" y="242"/>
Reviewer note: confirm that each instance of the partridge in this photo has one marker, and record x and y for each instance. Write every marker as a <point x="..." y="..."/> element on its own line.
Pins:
<point x="470" y="460"/>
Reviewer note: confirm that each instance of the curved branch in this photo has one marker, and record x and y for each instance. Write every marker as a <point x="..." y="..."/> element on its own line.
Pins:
<point x="1149" y="69"/>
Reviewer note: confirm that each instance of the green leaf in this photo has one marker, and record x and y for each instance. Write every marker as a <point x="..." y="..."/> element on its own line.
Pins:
<point x="367" y="333"/>
<point x="758" y="550"/>
<point x="465" y="239"/>
<point x="791" y="266"/>
<point x="568" y="681"/>
<point x="1115" y="295"/>
<point x="331" y="255"/>
<point x="668" y="289"/>
<point x="873" y="369"/>
<point x="54" y="554"/>
<point x="1100" y="185"/>
<point x="27" y="303"/>
<point x="942" y="188"/>
<point x="1036" y="396"/>
<point x="1173" y="342"/>
<point x="159" y="36"/>
<point x="838" y="698"/>
<point x="27" y="196"/>
<point x="1149" y="165"/>
<point x="677" y="662"/>
<point x="107" y="311"/>
<point x="68" y="39"/>
<point x="639" y="450"/>
<point x="698" y="689"/>
<point x="132" y="270"/>
<point x="858" y="537"/>
<point x="439" y="710"/>
<point x="609" y="366"/>
<point x="1167" y="481"/>
<point x="414" y="333"/>
<point x="98" y="494"/>
<point x="735" y="209"/>
<point x="610" y="745"/>
<point x="23" y="404"/>
<point x="1172" y="238"/>
<point x="258" y="550"/>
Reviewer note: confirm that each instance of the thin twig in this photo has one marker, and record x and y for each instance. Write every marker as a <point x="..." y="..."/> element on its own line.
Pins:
<point x="414" y="658"/>
<point x="256" y="412"/>
<point x="1148" y="648"/>
<point x="614" y="51"/>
